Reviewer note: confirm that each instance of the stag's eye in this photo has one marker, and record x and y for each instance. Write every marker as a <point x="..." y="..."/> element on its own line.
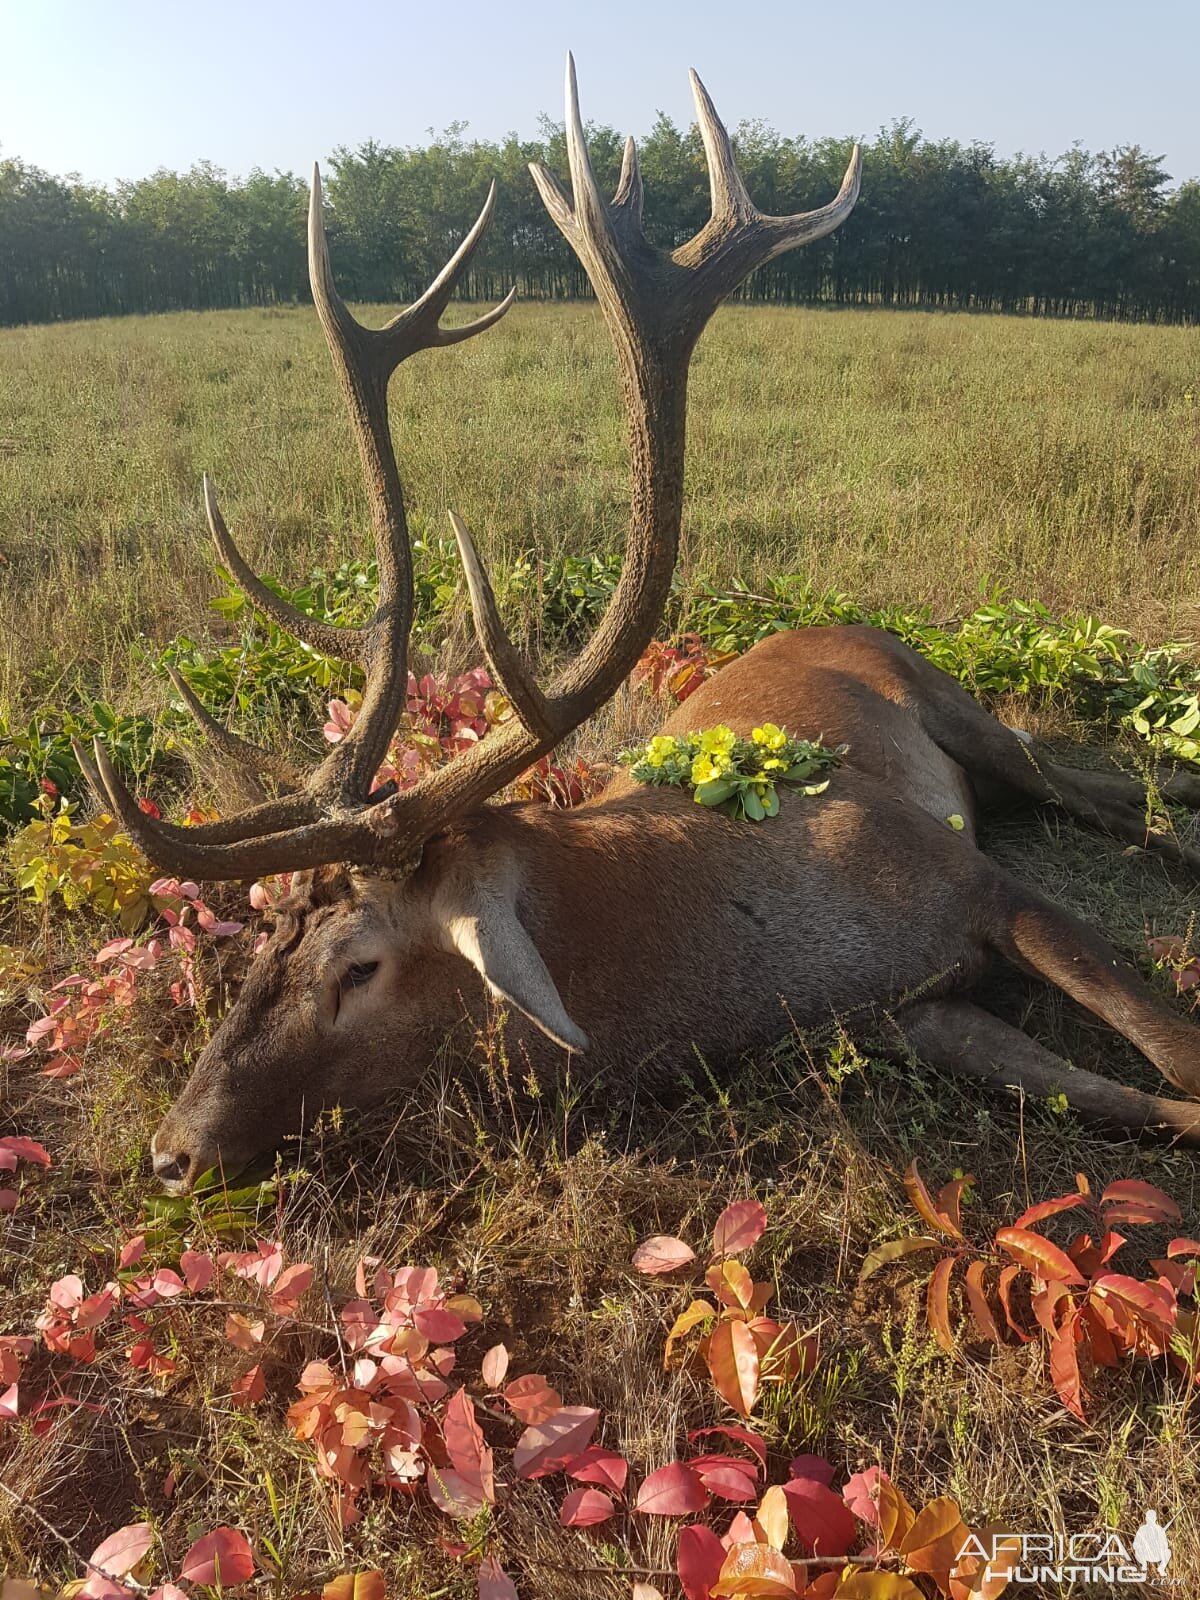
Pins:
<point x="362" y="972"/>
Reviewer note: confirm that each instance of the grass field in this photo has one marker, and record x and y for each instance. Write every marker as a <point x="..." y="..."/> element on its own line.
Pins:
<point x="903" y="458"/>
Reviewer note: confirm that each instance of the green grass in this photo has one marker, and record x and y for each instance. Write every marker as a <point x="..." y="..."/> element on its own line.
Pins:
<point x="904" y="458"/>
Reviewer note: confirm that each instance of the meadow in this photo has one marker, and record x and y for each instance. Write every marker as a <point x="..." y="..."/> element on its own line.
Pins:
<point x="914" y="461"/>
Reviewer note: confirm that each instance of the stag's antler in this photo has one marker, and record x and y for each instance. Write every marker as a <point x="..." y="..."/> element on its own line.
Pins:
<point x="656" y="305"/>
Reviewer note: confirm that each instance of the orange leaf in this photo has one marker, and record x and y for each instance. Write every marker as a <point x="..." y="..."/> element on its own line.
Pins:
<point x="923" y="1203"/>
<point x="355" y="1586"/>
<point x="698" y="1312"/>
<point x="935" y="1538"/>
<point x="981" y="1311"/>
<point x="1007" y="1276"/>
<point x="1131" y="1200"/>
<point x="772" y="1521"/>
<point x="893" y="1250"/>
<point x="949" y="1201"/>
<point x="876" y="1586"/>
<point x="937" y="1304"/>
<point x="1049" y="1208"/>
<point x="733" y="1362"/>
<point x="731" y="1283"/>
<point x="1064" y="1368"/>
<point x="1152" y="1303"/>
<point x="754" y="1570"/>
<point x="1039" y="1256"/>
<point x="531" y="1398"/>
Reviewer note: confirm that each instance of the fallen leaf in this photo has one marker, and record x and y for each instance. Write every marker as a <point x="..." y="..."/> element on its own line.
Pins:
<point x="583" y="1508"/>
<point x="662" y="1253"/>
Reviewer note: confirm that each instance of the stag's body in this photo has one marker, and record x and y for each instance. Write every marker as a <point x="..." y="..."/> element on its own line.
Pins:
<point x="643" y="928"/>
<point x="856" y="904"/>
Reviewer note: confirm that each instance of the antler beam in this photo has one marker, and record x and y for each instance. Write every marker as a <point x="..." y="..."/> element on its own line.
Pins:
<point x="656" y="304"/>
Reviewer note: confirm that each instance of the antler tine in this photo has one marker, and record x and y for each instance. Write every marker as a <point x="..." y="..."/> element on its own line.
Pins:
<point x="730" y="202"/>
<point x="628" y="193"/>
<point x="508" y="667"/>
<point x="590" y="210"/>
<point x="249" y="755"/>
<point x="342" y="644"/>
<point x="160" y="839"/>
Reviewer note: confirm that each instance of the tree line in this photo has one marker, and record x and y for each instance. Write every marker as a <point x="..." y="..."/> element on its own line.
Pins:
<point x="940" y="224"/>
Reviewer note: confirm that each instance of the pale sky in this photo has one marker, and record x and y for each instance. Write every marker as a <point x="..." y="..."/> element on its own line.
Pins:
<point x="116" y="88"/>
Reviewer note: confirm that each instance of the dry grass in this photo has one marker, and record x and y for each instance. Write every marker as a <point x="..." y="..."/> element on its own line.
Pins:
<point x="903" y="457"/>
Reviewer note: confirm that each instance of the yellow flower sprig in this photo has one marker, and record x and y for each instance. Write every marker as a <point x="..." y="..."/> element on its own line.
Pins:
<point x="736" y="775"/>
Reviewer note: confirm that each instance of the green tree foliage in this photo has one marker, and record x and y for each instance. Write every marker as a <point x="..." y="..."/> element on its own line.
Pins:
<point x="940" y="224"/>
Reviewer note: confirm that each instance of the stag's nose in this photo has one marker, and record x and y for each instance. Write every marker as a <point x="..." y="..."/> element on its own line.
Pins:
<point x="171" y="1167"/>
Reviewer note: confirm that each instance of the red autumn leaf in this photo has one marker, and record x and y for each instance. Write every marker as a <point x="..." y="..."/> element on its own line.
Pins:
<point x="9" y="1407"/>
<point x="672" y="1491"/>
<point x="132" y="1251"/>
<point x="600" y="1466"/>
<point x="1049" y="1208"/>
<point x="1039" y="1256"/>
<point x="726" y="1477"/>
<point x="1184" y="1247"/>
<point x="466" y="1445"/>
<point x="823" y="1523"/>
<point x="250" y="1388"/>
<point x="14" y="1149"/>
<point x="288" y="1288"/>
<point x="494" y="1582"/>
<point x="861" y="1494"/>
<point x="1152" y="1302"/>
<point x="662" y="1253"/>
<point x="222" y="1556"/>
<point x="439" y="1325"/>
<point x="739" y="1227"/>
<point x="261" y="1265"/>
<point x="531" y="1398"/>
<point x="814" y="1467"/>
<point x="734" y="1364"/>
<point x="546" y="1446"/>
<point x="583" y="1508"/>
<point x="1131" y="1200"/>
<point x="494" y="1366"/>
<point x="755" y="1570"/>
<point x="119" y="1554"/>
<point x="1064" y="1368"/>
<point x="937" y="1304"/>
<point x="699" y="1558"/>
<point x="923" y="1203"/>
<point x="197" y="1270"/>
<point x="949" y="1201"/>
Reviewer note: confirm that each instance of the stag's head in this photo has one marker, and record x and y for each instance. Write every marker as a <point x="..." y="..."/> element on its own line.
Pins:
<point x="374" y="948"/>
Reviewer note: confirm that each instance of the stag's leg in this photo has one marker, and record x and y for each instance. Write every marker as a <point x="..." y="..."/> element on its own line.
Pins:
<point x="992" y="755"/>
<point x="1043" y="938"/>
<point x="963" y="1039"/>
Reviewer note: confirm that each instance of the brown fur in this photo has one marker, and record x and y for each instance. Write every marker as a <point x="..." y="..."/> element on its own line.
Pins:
<point x="669" y="929"/>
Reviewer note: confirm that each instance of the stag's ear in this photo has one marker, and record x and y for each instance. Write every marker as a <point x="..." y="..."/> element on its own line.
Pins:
<point x="480" y="922"/>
